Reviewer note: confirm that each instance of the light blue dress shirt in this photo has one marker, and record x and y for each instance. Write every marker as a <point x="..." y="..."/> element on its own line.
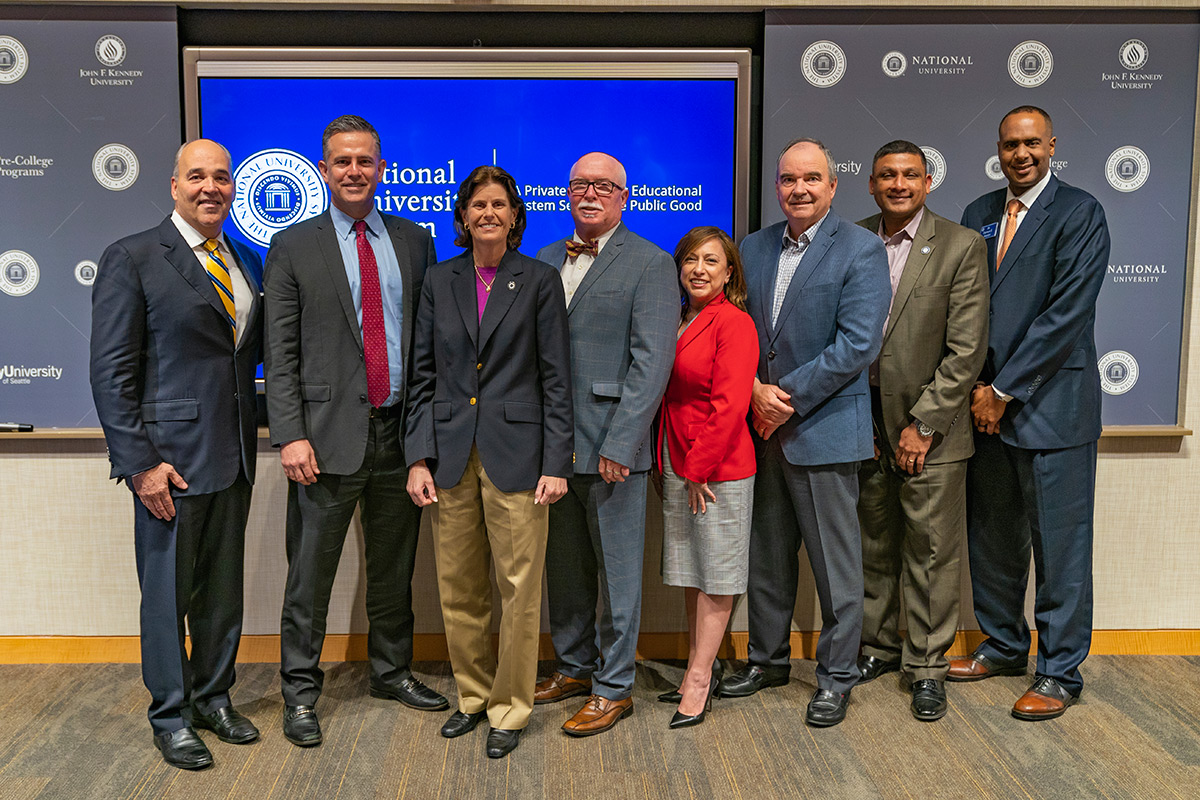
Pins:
<point x="391" y="287"/>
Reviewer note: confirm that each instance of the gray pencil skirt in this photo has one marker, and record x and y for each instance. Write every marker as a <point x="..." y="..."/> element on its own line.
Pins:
<point x="709" y="551"/>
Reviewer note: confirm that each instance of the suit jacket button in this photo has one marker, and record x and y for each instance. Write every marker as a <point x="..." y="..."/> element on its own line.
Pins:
<point x="362" y="397"/>
<point x="472" y="401"/>
<point x="479" y="365"/>
<point x="771" y="356"/>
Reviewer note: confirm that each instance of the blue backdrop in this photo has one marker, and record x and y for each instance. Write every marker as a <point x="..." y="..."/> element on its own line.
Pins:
<point x="676" y="139"/>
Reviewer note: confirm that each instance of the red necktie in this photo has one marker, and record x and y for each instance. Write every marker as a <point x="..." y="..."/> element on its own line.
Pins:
<point x="576" y="249"/>
<point x="379" y="384"/>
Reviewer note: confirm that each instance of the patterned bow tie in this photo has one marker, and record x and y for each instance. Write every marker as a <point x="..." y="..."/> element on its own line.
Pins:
<point x="576" y="249"/>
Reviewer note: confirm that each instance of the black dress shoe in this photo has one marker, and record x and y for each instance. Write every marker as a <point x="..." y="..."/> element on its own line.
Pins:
<point x="412" y="693"/>
<point x="183" y="749"/>
<point x="501" y="742"/>
<point x="870" y="668"/>
<point x="674" y="697"/>
<point x="681" y="720"/>
<point x="826" y="708"/>
<point x="460" y="723"/>
<point x="928" y="700"/>
<point x="751" y="678"/>
<point x="300" y="726"/>
<point x="228" y="724"/>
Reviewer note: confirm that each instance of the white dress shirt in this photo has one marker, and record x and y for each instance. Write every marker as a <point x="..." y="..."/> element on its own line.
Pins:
<point x="243" y="297"/>
<point x="575" y="267"/>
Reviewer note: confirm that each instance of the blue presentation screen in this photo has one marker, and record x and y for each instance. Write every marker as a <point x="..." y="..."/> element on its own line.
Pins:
<point x="676" y="138"/>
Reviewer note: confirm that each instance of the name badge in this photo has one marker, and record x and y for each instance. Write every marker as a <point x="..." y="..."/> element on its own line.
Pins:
<point x="989" y="231"/>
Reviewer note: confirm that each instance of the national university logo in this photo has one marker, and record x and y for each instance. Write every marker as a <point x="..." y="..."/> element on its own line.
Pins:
<point x="18" y="273"/>
<point x="274" y="189"/>
<point x="823" y="64"/>
<point x="1030" y="64"/>
<point x="14" y="60"/>
<point x="1127" y="169"/>
<point x="115" y="167"/>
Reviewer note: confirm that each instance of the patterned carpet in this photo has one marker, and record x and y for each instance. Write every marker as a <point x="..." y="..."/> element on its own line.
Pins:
<point x="79" y="731"/>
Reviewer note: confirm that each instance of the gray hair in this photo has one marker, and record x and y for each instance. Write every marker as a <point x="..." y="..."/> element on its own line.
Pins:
<point x="820" y="146"/>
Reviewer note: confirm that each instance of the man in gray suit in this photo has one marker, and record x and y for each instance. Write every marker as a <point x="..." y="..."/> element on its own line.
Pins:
<point x="912" y="501"/>
<point x="818" y="294"/>
<point x="623" y="310"/>
<point x="341" y="293"/>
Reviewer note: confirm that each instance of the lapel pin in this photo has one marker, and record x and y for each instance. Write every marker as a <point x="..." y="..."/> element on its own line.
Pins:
<point x="512" y="284"/>
<point x="925" y="250"/>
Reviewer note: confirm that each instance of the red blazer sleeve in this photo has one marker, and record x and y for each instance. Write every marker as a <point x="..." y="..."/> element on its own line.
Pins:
<point x="735" y="361"/>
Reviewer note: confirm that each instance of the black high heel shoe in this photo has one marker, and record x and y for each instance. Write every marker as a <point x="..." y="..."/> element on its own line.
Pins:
<point x="680" y="720"/>
<point x="674" y="697"/>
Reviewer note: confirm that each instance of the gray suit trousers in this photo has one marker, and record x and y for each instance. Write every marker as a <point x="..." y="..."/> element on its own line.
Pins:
<point x="813" y="506"/>
<point x="597" y="538"/>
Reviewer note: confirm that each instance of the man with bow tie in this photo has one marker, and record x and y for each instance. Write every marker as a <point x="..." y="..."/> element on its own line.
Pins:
<point x="622" y="307"/>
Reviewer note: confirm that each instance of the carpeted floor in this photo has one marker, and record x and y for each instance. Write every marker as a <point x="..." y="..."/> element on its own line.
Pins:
<point x="70" y="731"/>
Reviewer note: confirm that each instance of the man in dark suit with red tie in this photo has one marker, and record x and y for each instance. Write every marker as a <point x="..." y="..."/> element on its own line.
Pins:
<point x="1031" y="484"/>
<point x="176" y="338"/>
<point x="341" y="293"/>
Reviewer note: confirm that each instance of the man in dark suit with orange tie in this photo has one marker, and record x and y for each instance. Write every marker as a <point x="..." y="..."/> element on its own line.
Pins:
<point x="1032" y="481"/>
<point x="176" y="338"/>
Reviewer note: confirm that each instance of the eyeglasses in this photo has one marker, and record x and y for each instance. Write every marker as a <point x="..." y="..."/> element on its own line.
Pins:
<point x="603" y="187"/>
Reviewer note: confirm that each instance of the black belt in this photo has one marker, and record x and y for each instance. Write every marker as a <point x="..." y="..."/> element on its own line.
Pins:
<point x="387" y="412"/>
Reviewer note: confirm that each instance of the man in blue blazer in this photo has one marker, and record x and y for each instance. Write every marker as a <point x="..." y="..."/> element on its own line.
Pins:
<point x="176" y="338"/>
<point x="1031" y="483"/>
<point x="622" y="297"/>
<point x="819" y="294"/>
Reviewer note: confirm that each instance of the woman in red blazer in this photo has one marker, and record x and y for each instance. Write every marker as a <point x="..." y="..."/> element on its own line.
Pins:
<point x="707" y="456"/>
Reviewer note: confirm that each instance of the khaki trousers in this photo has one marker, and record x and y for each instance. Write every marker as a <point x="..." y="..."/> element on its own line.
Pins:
<point x="913" y="529"/>
<point x="475" y="523"/>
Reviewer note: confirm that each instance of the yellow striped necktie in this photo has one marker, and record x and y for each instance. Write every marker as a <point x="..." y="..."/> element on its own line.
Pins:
<point x="221" y="281"/>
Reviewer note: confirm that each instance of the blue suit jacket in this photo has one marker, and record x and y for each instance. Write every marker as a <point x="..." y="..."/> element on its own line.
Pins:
<point x="1042" y="344"/>
<point x="168" y="383"/>
<point x="829" y="331"/>
<point x="502" y="383"/>
<point x="623" y="319"/>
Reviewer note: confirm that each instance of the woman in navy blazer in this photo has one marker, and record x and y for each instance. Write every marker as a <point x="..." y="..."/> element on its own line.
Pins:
<point x="707" y="456"/>
<point x="489" y="442"/>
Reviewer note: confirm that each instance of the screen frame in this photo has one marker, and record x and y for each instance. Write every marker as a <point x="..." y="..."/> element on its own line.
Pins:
<point x="481" y="62"/>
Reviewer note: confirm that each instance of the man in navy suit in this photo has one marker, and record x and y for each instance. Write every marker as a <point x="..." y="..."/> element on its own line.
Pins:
<point x="818" y="293"/>
<point x="176" y="338"/>
<point x="1032" y="481"/>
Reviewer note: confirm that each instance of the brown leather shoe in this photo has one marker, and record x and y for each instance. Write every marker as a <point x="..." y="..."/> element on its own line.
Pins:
<point x="598" y="715"/>
<point x="977" y="666"/>
<point x="1046" y="699"/>
<point x="560" y="687"/>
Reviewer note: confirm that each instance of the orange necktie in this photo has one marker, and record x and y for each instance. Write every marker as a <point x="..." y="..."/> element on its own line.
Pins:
<point x="1010" y="230"/>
